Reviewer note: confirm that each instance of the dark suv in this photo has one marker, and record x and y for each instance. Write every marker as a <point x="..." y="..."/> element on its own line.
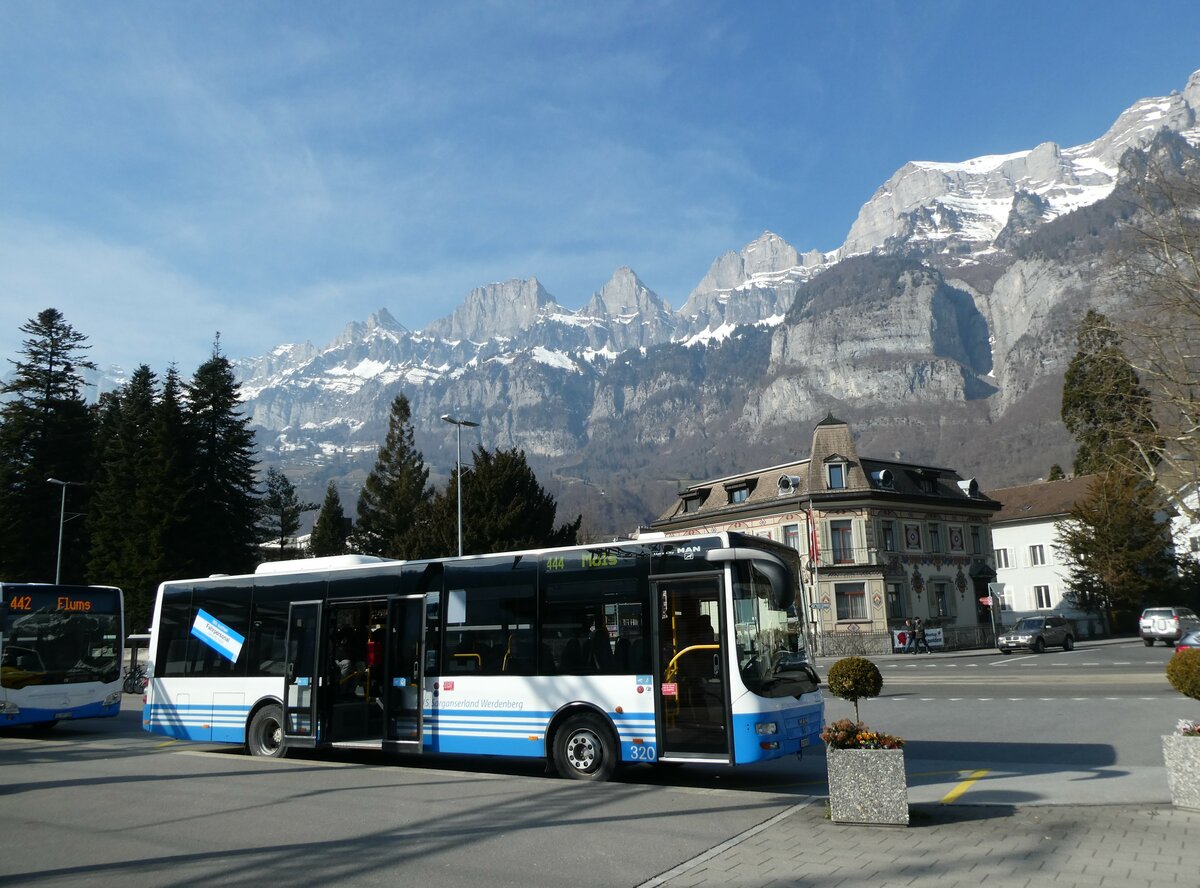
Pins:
<point x="1037" y="634"/>
<point x="1166" y="624"/>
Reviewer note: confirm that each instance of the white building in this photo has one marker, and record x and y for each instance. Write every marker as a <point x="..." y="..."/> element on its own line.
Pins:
<point x="1184" y="531"/>
<point x="1025" y="534"/>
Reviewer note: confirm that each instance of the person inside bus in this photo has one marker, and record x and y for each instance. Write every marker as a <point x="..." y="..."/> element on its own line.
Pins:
<point x="346" y="665"/>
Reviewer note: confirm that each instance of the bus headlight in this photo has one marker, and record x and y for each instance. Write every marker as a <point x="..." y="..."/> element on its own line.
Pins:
<point x="114" y="697"/>
<point x="766" y="728"/>
<point x="10" y="709"/>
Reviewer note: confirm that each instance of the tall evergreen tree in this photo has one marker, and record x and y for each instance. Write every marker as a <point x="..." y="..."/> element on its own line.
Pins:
<point x="395" y="490"/>
<point x="281" y="511"/>
<point x="1117" y="553"/>
<point x="1104" y="406"/>
<point x="124" y="516"/>
<point x="169" y="484"/>
<point x="46" y="431"/>
<point x="330" y="532"/>
<point x="222" y="506"/>
<point x="504" y="509"/>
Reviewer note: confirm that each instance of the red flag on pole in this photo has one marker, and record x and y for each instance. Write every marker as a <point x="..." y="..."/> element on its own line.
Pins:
<point x="814" y="545"/>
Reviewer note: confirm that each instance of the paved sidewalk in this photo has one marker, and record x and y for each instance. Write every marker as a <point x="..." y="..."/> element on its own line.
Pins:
<point x="956" y="846"/>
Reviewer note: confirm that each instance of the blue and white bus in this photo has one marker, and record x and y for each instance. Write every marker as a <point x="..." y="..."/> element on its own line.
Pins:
<point x="60" y="653"/>
<point x="664" y="650"/>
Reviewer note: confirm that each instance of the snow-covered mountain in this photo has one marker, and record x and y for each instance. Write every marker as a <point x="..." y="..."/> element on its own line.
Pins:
<point x="949" y="309"/>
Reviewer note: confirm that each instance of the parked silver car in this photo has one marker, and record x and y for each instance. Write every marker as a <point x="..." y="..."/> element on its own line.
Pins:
<point x="1166" y="624"/>
<point x="1037" y="634"/>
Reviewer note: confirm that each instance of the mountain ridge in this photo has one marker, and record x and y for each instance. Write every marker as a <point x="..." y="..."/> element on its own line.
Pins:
<point x="935" y="300"/>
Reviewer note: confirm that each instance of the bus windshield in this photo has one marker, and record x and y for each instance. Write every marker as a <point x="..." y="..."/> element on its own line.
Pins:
<point x="771" y="654"/>
<point x="51" y="637"/>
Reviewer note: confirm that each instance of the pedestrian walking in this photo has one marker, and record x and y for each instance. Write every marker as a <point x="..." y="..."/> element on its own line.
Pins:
<point x="910" y="638"/>
<point x="919" y="632"/>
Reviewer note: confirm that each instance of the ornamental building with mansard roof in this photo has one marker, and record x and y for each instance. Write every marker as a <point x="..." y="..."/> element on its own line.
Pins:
<point x="882" y="540"/>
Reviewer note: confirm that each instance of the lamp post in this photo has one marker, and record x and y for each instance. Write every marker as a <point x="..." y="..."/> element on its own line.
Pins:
<point x="62" y="517"/>
<point x="458" y="427"/>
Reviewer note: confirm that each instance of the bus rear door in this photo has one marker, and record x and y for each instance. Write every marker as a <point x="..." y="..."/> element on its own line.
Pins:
<point x="404" y="659"/>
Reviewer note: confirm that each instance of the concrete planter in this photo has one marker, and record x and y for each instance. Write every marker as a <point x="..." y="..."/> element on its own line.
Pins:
<point x="1182" y="757"/>
<point x="867" y="786"/>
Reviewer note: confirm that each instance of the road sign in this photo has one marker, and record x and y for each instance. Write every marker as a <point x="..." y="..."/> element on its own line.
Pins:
<point x="820" y="605"/>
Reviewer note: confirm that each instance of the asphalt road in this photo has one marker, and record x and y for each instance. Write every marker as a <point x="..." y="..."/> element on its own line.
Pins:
<point x="101" y="802"/>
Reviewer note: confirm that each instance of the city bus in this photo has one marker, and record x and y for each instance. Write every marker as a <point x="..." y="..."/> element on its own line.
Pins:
<point x="60" y="653"/>
<point x="673" y="649"/>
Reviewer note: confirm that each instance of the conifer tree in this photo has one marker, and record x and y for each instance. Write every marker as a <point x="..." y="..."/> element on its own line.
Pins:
<point x="1104" y="406"/>
<point x="169" y="483"/>
<point x="123" y="517"/>
<point x="281" y="511"/>
<point x="1116" y="551"/>
<point x="395" y="490"/>
<point x="46" y="431"/>
<point x="330" y="532"/>
<point x="504" y="509"/>
<point x="222" y="502"/>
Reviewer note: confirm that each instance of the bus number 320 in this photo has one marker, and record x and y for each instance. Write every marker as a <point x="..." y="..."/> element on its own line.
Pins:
<point x="643" y="753"/>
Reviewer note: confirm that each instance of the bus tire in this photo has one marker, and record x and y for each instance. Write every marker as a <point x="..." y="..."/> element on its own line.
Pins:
<point x="264" y="737"/>
<point x="584" y="749"/>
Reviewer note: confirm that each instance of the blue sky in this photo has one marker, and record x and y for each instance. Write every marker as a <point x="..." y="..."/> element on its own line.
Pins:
<point x="274" y="170"/>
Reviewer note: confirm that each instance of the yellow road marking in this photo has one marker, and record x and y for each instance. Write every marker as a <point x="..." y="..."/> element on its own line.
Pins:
<point x="167" y="743"/>
<point x="953" y="794"/>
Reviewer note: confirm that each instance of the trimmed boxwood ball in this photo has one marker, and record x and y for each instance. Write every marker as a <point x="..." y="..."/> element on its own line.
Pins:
<point x="854" y="678"/>
<point x="1183" y="672"/>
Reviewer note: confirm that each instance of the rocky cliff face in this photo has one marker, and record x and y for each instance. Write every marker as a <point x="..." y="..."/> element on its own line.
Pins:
<point x="940" y="329"/>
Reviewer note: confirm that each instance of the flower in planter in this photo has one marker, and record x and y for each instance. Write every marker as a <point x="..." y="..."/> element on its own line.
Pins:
<point x="846" y="734"/>
<point x="1185" y="728"/>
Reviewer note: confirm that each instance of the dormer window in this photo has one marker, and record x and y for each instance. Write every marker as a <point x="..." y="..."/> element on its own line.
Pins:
<point x="739" y="491"/>
<point x="837" y="476"/>
<point x="694" y="499"/>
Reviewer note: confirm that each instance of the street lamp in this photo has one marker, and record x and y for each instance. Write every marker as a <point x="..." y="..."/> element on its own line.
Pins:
<point x="458" y="424"/>
<point x="62" y="516"/>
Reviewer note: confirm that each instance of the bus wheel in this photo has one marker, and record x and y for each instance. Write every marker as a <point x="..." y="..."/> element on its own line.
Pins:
<point x="265" y="736"/>
<point x="584" y="749"/>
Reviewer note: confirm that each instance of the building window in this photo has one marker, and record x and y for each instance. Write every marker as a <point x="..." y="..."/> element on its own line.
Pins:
<point x="935" y="538"/>
<point x="851" y="600"/>
<point x="895" y="601"/>
<point x="1042" y="594"/>
<point x="837" y="476"/>
<point x="690" y="504"/>
<point x="912" y="536"/>
<point x="1001" y="558"/>
<point x="957" y="543"/>
<point x="889" y="535"/>
<point x="943" y="601"/>
<point x="1037" y="555"/>
<point x="739" y="495"/>
<point x="791" y="536"/>
<point x="842" y="541"/>
<point x="976" y="541"/>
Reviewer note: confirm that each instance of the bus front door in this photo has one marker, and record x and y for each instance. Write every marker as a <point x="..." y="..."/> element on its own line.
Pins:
<point x="405" y="656"/>
<point x="302" y="676"/>
<point x="693" y="691"/>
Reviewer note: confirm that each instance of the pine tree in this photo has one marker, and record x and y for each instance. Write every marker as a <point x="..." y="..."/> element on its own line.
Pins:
<point x="168" y="485"/>
<point x="222" y="503"/>
<point x="1104" y="406"/>
<point x="395" y="490"/>
<point x="504" y="509"/>
<point x="330" y="532"/>
<point x="124" y="516"/>
<point x="1117" y="551"/>
<point x="46" y="431"/>
<point x="281" y="510"/>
